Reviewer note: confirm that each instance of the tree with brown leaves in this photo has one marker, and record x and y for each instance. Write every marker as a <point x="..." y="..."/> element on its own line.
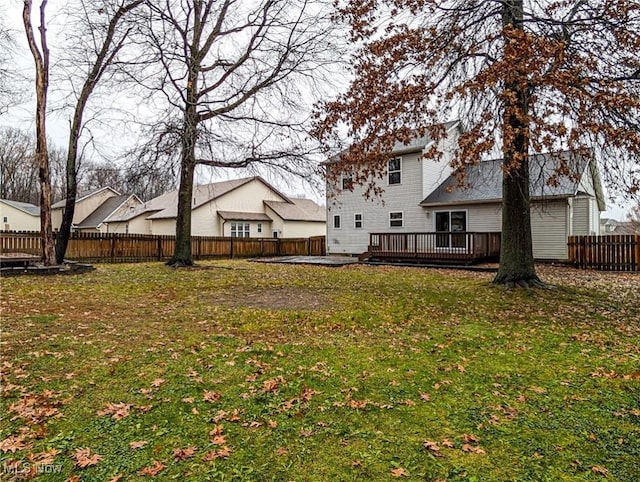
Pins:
<point x="522" y="76"/>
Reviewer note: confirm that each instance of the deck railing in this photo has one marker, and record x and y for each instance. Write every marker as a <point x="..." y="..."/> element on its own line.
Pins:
<point x="466" y="247"/>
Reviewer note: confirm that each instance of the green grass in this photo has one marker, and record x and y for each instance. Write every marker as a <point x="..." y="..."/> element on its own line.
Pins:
<point x="322" y="374"/>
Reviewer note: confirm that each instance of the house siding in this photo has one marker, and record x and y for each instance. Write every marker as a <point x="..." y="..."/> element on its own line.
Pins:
<point x="580" y="220"/>
<point x="403" y="197"/>
<point x="549" y="230"/>
<point x="17" y="220"/>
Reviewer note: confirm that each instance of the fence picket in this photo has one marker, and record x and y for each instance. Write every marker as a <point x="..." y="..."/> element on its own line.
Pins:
<point x="115" y="248"/>
<point x="619" y="252"/>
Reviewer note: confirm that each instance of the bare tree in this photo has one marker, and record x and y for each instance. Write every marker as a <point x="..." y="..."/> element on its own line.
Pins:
<point x="523" y="77"/>
<point x="235" y="80"/>
<point x="101" y="32"/>
<point x="10" y="93"/>
<point x="19" y="167"/>
<point x="40" y="52"/>
<point x="633" y="217"/>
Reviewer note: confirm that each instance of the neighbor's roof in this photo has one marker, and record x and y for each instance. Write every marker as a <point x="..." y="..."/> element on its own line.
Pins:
<point x="102" y="212"/>
<point x="24" y="207"/>
<point x="83" y="195"/>
<point x="484" y="181"/>
<point x="243" y="216"/>
<point x="167" y="204"/>
<point x="298" y="210"/>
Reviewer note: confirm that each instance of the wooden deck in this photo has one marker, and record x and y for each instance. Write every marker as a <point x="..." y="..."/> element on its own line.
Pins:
<point x="437" y="248"/>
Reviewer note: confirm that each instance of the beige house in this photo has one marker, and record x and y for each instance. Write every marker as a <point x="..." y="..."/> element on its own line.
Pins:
<point x="249" y="207"/>
<point x="18" y="216"/>
<point x="95" y="208"/>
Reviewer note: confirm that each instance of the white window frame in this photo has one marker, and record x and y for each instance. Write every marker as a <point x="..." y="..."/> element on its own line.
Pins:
<point x="394" y="171"/>
<point x="259" y="227"/>
<point x="450" y="241"/>
<point x="240" y="230"/>
<point x="339" y="218"/>
<point x="401" y="213"/>
<point x="346" y="179"/>
<point x="356" y="221"/>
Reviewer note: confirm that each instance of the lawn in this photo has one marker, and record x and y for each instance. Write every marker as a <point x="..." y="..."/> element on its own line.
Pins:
<point x="254" y="372"/>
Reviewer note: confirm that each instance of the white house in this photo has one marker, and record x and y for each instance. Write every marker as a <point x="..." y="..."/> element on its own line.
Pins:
<point x="19" y="216"/>
<point x="94" y="208"/>
<point x="249" y="207"/>
<point x="421" y="196"/>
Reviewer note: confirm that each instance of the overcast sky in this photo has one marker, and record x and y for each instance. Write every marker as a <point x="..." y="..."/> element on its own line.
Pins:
<point x="23" y="114"/>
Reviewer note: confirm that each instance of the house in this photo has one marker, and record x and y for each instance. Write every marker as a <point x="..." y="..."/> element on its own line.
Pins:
<point x="248" y="207"/>
<point x="612" y="226"/>
<point x="422" y="196"/>
<point x="19" y="216"/>
<point x="94" y="209"/>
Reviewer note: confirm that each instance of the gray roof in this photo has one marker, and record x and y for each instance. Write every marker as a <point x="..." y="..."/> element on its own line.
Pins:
<point x="24" y="207"/>
<point x="102" y="212"/>
<point x="243" y="216"/>
<point x="298" y="210"/>
<point x="483" y="182"/>
<point x="83" y="195"/>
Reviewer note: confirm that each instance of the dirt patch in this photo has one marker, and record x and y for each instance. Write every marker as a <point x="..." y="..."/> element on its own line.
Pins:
<point x="278" y="298"/>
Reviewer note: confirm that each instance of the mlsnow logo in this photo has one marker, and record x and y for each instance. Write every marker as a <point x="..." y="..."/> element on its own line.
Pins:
<point x="26" y="468"/>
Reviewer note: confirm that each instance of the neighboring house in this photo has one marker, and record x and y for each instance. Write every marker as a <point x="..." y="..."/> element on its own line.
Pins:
<point x="94" y="209"/>
<point x="18" y="216"/>
<point x="612" y="226"/>
<point x="248" y="207"/>
<point x="422" y="196"/>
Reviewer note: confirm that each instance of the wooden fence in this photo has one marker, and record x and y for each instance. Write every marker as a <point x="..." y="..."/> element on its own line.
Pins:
<point x="619" y="252"/>
<point x="119" y="248"/>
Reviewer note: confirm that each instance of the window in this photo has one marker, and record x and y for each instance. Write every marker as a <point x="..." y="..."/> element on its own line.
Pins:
<point x="336" y="221"/>
<point x="395" y="220"/>
<point x="240" y="230"/>
<point x="5" y="220"/>
<point x="347" y="182"/>
<point x="394" y="171"/>
<point x="357" y="221"/>
<point x="451" y="222"/>
<point x="275" y="234"/>
<point x="259" y="227"/>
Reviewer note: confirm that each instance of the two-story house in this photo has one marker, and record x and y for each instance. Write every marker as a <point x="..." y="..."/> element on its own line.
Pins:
<point x="421" y="196"/>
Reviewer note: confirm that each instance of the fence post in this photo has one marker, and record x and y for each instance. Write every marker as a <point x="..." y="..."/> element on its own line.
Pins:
<point x="231" y="247"/>
<point x="113" y="248"/>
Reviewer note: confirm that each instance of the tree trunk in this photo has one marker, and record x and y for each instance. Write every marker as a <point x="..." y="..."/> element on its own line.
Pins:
<point x="516" y="248"/>
<point x="62" y="240"/>
<point x="182" y="255"/>
<point x="41" y="59"/>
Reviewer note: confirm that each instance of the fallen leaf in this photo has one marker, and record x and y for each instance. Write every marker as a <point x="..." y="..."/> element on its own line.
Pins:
<point x="597" y="469"/>
<point x="158" y="382"/>
<point x="152" y="470"/>
<point x="210" y="396"/>
<point x="118" y="411"/>
<point x="138" y="444"/>
<point x="399" y="472"/>
<point x="184" y="454"/>
<point x="84" y="458"/>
